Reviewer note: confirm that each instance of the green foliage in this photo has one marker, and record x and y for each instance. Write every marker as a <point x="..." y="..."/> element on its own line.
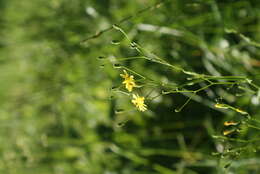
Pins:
<point x="64" y="109"/>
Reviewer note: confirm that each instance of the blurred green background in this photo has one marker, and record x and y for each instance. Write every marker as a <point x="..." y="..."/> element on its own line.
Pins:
<point x="58" y="114"/>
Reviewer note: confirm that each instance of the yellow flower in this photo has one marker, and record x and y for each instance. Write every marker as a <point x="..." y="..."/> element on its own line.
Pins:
<point x="128" y="81"/>
<point x="227" y="132"/>
<point x="230" y="123"/>
<point x="139" y="102"/>
<point x="222" y="106"/>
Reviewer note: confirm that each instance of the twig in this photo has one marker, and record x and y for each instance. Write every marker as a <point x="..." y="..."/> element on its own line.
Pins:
<point x="99" y="33"/>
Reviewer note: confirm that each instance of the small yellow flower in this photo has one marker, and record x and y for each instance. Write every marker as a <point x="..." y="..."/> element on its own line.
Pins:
<point x="227" y="132"/>
<point x="128" y="81"/>
<point x="230" y="123"/>
<point x="139" y="102"/>
<point x="222" y="106"/>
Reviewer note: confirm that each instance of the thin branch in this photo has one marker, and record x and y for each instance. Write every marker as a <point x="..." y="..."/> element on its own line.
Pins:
<point x="99" y="33"/>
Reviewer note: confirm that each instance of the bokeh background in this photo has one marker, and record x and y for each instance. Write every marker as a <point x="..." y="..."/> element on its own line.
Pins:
<point x="58" y="114"/>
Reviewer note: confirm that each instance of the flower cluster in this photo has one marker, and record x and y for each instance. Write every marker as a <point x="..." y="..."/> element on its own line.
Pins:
<point x="139" y="102"/>
<point x="129" y="83"/>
